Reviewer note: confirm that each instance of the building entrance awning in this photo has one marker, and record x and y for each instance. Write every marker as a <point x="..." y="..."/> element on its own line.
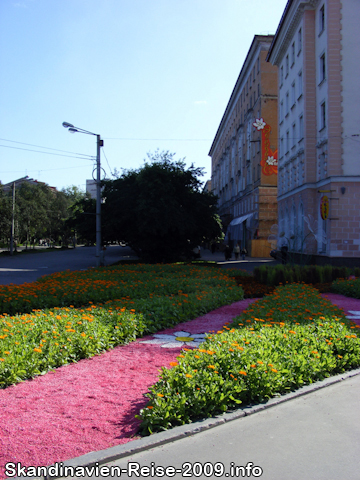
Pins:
<point x="239" y="220"/>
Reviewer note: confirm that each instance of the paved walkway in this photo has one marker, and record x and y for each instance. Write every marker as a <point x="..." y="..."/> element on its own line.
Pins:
<point x="28" y="267"/>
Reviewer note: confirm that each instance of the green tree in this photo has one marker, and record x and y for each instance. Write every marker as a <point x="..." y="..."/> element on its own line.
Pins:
<point x="32" y="216"/>
<point x="5" y="216"/>
<point x="160" y="209"/>
<point x="82" y="219"/>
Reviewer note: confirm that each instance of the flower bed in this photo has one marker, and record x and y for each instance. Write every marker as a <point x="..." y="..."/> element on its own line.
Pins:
<point x="130" y="301"/>
<point x="291" y="338"/>
<point x="349" y="287"/>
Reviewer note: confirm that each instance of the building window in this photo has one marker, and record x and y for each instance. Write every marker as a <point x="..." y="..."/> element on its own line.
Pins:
<point x="300" y="84"/>
<point x="292" y="54"/>
<point x="286" y="66"/>
<point x="293" y="135"/>
<point x="322" y="68"/>
<point x="287" y="141"/>
<point x="321" y="19"/>
<point x="287" y="104"/>
<point x="299" y="41"/>
<point x="301" y="127"/>
<point x="281" y="111"/>
<point x="322" y="115"/>
<point x="293" y="95"/>
<point x="281" y="75"/>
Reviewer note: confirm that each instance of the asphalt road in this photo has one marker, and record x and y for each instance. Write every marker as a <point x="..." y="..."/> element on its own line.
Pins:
<point x="28" y="267"/>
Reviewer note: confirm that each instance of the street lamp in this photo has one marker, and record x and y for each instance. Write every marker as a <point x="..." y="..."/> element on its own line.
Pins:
<point x="99" y="143"/>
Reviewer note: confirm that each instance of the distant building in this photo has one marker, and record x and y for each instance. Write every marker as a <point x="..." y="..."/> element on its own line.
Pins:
<point x="91" y="188"/>
<point x="316" y="48"/>
<point x="244" y="154"/>
<point x="8" y="186"/>
<point x="207" y="186"/>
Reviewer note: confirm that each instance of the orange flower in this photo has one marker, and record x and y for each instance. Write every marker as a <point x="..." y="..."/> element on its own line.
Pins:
<point x="242" y="372"/>
<point x="160" y="395"/>
<point x="188" y="375"/>
<point x="173" y="364"/>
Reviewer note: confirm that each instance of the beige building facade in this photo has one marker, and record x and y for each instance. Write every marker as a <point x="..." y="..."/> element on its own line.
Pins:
<point x="244" y="154"/>
<point x="316" y="49"/>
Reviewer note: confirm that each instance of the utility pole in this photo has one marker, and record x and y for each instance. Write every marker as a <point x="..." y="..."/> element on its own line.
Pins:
<point x="12" y="222"/>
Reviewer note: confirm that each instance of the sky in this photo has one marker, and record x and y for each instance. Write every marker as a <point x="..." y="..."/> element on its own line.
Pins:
<point x="143" y="74"/>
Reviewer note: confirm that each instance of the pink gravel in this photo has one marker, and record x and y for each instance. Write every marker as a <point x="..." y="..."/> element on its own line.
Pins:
<point x="89" y="405"/>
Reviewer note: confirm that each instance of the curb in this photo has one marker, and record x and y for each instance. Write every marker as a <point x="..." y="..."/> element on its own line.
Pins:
<point x="146" y="443"/>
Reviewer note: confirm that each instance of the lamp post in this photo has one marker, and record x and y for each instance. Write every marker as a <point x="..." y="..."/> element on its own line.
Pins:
<point x="99" y="144"/>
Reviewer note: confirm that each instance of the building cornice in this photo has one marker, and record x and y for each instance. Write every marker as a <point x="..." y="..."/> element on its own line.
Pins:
<point x="258" y="42"/>
<point x="321" y="183"/>
<point x="285" y="32"/>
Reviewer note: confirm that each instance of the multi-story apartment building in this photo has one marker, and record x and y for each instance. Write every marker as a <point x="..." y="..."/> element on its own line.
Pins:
<point x="243" y="153"/>
<point x="316" y="48"/>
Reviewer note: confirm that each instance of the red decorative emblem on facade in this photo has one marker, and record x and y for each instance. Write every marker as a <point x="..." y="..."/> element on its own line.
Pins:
<point x="269" y="163"/>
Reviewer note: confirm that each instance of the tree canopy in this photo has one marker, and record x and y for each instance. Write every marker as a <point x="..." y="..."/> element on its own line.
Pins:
<point x="40" y="213"/>
<point x="160" y="209"/>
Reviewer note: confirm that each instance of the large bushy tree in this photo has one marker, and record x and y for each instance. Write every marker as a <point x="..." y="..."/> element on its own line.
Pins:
<point x="160" y="209"/>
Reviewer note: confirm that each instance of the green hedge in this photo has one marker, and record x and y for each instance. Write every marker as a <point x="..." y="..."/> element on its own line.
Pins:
<point x="281" y="274"/>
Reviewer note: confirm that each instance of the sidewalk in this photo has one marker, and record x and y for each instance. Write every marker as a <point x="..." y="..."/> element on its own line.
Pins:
<point x="248" y="264"/>
<point x="313" y="437"/>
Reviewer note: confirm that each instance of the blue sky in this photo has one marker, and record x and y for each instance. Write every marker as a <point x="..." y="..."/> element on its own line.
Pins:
<point x="144" y="74"/>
